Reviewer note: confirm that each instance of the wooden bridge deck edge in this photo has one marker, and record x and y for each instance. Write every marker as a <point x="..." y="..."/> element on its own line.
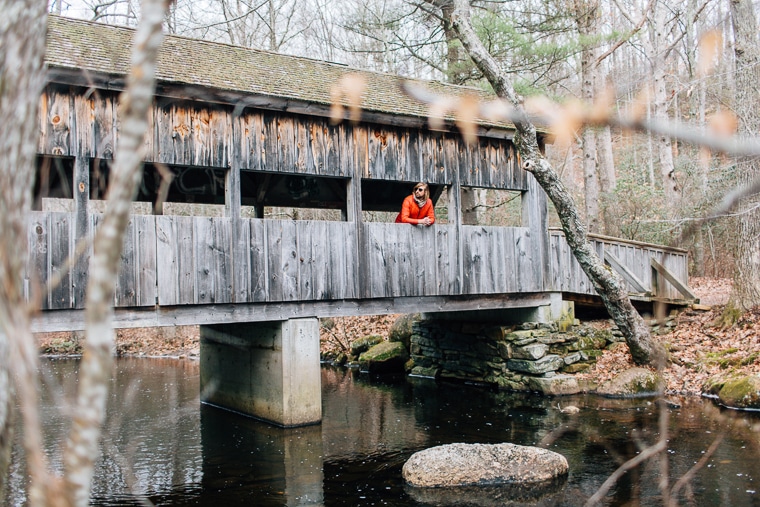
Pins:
<point x="74" y="320"/>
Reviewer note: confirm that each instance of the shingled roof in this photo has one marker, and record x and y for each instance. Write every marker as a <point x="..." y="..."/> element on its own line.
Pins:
<point x="101" y="49"/>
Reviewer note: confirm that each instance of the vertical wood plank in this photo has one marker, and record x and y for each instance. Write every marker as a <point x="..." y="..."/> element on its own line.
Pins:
<point x="272" y="156"/>
<point x="259" y="251"/>
<point x="338" y="254"/>
<point x="241" y="261"/>
<point x="375" y="260"/>
<point x="443" y="257"/>
<point x="125" y="290"/>
<point x="146" y="260"/>
<point x="305" y="236"/>
<point x="38" y="263"/>
<point x="319" y="261"/>
<point x="287" y="140"/>
<point x="56" y="123"/>
<point x="60" y="249"/>
<point x="213" y="266"/>
<point x="252" y="149"/>
<point x="175" y="260"/>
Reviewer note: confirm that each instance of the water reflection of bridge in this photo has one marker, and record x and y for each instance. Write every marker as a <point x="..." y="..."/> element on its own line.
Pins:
<point x="256" y="138"/>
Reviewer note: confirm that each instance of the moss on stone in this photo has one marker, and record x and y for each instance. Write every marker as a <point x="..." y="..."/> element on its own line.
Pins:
<point x="741" y="392"/>
<point x="363" y="344"/>
<point x="631" y="382"/>
<point x="383" y="351"/>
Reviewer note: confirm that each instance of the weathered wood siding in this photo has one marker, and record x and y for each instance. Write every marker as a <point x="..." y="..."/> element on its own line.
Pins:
<point x="52" y="243"/>
<point x="172" y="260"/>
<point x="408" y="261"/>
<point x="567" y="275"/>
<point x="189" y="134"/>
<point x="404" y="155"/>
<point x="76" y="123"/>
<point x="272" y="261"/>
<point x="498" y="260"/>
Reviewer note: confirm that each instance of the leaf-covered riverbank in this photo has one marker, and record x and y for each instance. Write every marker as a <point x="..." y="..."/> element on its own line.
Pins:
<point x="699" y="349"/>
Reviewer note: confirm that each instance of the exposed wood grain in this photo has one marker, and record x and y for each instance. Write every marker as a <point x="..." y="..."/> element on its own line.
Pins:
<point x="60" y="248"/>
<point x="56" y="123"/>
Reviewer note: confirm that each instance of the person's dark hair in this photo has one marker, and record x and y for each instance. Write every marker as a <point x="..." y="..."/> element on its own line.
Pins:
<point x="425" y="187"/>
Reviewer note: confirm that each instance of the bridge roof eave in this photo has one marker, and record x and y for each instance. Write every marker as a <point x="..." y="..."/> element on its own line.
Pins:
<point x="195" y="93"/>
<point x="88" y="54"/>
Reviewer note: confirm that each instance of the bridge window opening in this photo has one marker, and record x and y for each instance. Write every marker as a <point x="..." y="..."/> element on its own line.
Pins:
<point x="293" y="197"/>
<point x="167" y="190"/>
<point x="53" y="184"/>
<point x="491" y="207"/>
<point x="381" y="200"/>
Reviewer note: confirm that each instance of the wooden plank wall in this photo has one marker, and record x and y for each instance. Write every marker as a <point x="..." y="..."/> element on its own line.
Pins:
<point x="50" y="243"/>
<point x="567" y="275"/>
<point x="202" y="135"/>
<point x="173" y="260"/>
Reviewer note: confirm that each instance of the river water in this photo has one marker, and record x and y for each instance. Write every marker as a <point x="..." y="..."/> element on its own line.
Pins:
<point x="163" y="447"/>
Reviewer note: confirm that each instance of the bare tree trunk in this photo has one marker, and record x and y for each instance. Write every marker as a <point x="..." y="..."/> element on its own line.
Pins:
<point x="22" y="77"/>
<point x="746" y="289"/>
<point x="650" y="152"/>
<point x="610" y="287"/>
<point x="657" y="52"/>
<point x="95" y="371"/>
<point x="22" y="34"/>
<point x="607" y="174"/>
<point x="586" y="21"/>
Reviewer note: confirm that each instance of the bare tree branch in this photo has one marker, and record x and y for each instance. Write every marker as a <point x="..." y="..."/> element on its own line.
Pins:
<point x="646" y="454"/>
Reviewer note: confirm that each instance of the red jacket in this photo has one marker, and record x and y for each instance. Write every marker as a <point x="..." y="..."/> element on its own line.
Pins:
<point x="413" y="214"/>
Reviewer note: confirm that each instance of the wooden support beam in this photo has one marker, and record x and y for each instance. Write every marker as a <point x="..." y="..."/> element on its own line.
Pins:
<point x="626" y="273"/>
<point x="680" y="286"/>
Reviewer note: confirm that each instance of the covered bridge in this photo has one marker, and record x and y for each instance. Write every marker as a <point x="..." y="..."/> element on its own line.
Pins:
<point x="242" y="132"/>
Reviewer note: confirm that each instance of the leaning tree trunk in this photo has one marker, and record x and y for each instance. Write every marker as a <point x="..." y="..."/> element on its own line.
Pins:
<point x="746" y="290"/>
<point x="610" y="287"/>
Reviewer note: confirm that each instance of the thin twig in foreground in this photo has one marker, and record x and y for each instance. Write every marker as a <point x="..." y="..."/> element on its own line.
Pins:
<point x="647" y="453"/>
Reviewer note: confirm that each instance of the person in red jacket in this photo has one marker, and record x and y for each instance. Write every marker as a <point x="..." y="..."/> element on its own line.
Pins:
<point x="417" y="208"/>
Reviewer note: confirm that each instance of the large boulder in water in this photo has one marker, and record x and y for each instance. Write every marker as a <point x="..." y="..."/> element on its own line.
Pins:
<point x="363" y="344"/>
<point x="456" y="465"/>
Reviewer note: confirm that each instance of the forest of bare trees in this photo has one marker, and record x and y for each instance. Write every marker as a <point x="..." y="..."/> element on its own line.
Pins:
<point x="654" y="62"/>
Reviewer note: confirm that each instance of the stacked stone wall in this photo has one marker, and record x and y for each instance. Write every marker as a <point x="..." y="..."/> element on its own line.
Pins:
<point x="510" y="357"/>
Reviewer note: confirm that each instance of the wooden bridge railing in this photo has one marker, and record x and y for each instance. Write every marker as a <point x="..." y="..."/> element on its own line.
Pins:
<point x="651" y="271"/>
<point x="175" y="260"/>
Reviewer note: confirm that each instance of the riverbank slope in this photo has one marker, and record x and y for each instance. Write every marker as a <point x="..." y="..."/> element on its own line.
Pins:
<point x="698" y="348"/>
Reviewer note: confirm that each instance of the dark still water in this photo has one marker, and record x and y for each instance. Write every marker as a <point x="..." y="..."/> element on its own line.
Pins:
<point x="164" y="447"/>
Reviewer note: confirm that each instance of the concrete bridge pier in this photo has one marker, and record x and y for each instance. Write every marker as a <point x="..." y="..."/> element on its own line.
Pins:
<point x="268" y="370"/>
